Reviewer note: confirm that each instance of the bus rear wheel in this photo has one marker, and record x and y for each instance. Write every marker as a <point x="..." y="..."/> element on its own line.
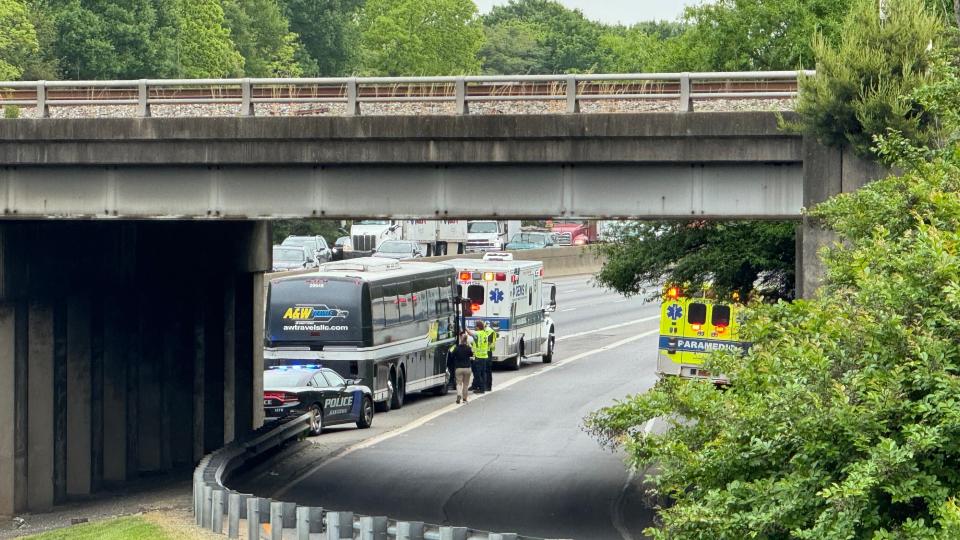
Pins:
<point x="399" y="392"/>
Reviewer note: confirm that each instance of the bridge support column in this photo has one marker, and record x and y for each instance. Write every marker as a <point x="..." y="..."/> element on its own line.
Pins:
<point x="826" y="172"/>
<point x="99" y="323"/>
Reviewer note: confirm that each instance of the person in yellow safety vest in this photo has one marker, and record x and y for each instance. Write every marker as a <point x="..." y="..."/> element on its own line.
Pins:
<point x="484" y="340"/>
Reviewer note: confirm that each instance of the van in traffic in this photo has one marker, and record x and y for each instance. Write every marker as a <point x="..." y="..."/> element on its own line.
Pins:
<point x="510" y="297"/>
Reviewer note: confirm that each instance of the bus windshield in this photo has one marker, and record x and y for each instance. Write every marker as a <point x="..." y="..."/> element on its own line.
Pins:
<point x="316" y="311"/>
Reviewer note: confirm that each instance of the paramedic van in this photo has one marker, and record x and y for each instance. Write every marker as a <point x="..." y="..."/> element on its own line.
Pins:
<point x="509" y="296"/>
<point x="693" y="327"/>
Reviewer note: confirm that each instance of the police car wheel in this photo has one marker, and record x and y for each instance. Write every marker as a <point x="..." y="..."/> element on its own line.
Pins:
<point x="384" y="406"/>
<point x="316" y="420"/>
<point x="366" y="414"/>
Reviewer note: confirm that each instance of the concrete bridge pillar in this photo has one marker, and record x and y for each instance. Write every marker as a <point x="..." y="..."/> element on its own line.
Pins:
<point x="826" y="172"/>
<point x="115" y="339"/>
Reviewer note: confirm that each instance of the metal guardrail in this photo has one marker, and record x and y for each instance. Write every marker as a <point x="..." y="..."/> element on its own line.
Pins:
<point x="685" y="88"/>
<point x="215" y="506"/>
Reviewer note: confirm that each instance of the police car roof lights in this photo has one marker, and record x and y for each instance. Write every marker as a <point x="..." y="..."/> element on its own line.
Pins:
<point x="497" y="256"/>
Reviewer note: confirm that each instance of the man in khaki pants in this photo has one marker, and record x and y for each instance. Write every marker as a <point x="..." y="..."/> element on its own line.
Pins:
<point x="462" y="356"/>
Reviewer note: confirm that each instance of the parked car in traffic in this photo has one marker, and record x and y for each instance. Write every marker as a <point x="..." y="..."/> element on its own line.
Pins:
<point x="323" y="393"/>
<point x="398" y="249"/>
<point x="531" y="240"/>
<point x="292" y="258"/>
<point x="316" y="245"/>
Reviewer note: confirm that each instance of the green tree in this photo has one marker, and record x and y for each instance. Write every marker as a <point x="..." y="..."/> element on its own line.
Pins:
<point x="420" y="37"/>
<point x="730" y="256"/>
<point x="18" y="39"/>
<point x="328" y="229"/>
<point x="106" y="39"/>
<point x="629" y="50"/>
<point x="329" y="33"/>
<point x="43" y="64"/>
<point x="861" y="83"/>
<point x="570" y="40"/>
<point x="196" y="40"/>
<point x="748" y="35"/>
<point x="263" y="37"/>
<point x="513" y="48"/>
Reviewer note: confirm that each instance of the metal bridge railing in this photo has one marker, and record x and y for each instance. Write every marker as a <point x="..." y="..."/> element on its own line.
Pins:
<point x="217" y="507"/>
<point x="683" y="88"/>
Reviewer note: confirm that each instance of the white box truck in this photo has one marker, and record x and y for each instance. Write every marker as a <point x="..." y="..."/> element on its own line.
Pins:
<point x="490" y="235"/>
<point x="437" y="237"/>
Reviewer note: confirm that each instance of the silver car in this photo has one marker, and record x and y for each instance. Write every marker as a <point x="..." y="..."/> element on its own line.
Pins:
<point x="398" y="249"/>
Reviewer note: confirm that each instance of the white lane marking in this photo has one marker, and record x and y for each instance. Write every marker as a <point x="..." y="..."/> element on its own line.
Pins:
<point x="452" y="407"/>
<point x="568" y="309"/>
<point x="605" y="328"/>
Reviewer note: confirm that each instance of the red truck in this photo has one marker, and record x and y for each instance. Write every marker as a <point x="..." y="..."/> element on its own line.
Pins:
<point x="574" y="233"/>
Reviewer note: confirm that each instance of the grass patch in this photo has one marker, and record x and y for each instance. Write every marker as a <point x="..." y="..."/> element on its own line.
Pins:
<point x="125" y="528"/>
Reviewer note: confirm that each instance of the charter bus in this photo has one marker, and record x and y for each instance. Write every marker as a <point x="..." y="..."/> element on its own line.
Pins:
<point x="510" y="297"/>
<point x="388" y="323"/>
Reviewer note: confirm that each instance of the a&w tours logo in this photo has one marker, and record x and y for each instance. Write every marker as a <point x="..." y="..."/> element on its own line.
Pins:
<point x="314" y="318"/>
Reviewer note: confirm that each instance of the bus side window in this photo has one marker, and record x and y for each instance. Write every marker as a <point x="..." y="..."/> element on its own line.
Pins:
<point x="405" y="295"/>
<point x="696" y="313"/>
<point x="376" y="305"/>
<point x="391" y="307"/>
<point x="720" y="316"/>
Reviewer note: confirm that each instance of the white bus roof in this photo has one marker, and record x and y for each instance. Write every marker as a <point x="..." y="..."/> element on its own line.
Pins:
<point x="369" y="269"/>
<point x="464" y="264"/>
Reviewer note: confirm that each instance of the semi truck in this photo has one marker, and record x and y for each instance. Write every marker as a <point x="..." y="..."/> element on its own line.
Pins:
<point x="490" y="235"/>
<point x="437" y="237"/>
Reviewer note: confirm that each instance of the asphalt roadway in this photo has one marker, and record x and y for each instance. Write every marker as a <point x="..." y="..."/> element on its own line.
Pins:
<point x="514" y="460"/>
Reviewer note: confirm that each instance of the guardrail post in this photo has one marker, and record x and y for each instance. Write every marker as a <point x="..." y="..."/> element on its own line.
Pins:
<point x="197" y="497"/>
<point x="339" y="525"/>
<point x="42" y="109"/>
<point x="309" y="521"/>
<point x="686" y="103"/>
<point x="460" y="89"/>
<point x="373" y="528"/>
<point x="453" y="533"/>
<point x="276" y="521"/>
<point x="353" y="94"/>
<point x="143" y="99"/>
<point x="412" y="530"/>
<point x="258" y="511"/>
<point x="216" y="516"/>
<point x="246" y="92"/>
<point x="236" y="510"/>
<point x="573" y="104"/>
<point x="206" y="510"/>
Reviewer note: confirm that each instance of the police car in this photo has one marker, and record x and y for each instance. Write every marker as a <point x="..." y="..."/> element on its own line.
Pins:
<point x="296" y="390"/>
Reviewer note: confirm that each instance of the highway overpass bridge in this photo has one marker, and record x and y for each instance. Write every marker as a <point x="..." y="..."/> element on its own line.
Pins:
<point x="132" y="250"/>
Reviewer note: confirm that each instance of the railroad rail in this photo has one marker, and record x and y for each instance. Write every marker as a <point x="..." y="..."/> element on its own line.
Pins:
<point x="683" y="88"/>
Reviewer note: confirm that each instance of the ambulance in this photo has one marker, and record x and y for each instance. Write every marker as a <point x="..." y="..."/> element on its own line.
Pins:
<point x="510" y="297"/>
<point x="691" y="328"/>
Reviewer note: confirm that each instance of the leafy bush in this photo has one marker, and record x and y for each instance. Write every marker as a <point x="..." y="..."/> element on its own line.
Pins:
<point x="863" y="86"/>
<point x="844" y="418"/>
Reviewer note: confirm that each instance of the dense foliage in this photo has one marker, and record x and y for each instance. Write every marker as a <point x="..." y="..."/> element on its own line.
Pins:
<point x="730" y="256"/>
<point x="843" y="420"/>
<point x="863" y="84"/>
<point x="18" y="38"/>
